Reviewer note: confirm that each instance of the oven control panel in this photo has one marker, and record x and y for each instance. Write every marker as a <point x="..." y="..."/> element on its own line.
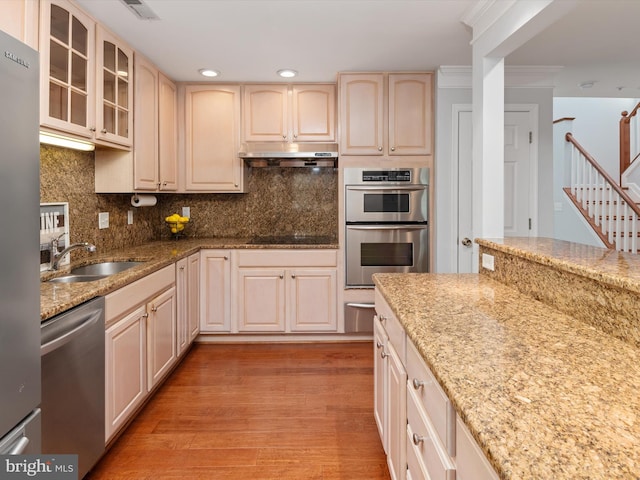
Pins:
<point x="386" y="176"/>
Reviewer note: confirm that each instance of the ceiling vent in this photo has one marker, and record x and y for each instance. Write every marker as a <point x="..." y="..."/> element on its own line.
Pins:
<point x="140" y="9"/>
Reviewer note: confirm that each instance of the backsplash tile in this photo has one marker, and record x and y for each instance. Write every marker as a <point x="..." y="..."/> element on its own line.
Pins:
<point x="278" y="201"/>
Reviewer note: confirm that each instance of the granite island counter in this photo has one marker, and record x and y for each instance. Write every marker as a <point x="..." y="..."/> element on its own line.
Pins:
<point x="545" y="393"/>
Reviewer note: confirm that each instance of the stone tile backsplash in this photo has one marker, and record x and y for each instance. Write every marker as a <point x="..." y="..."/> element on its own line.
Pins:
<point x="278" y="201"/>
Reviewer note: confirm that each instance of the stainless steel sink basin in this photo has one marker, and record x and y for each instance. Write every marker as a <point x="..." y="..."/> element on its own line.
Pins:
<point x="96" y="271"/>
<point x="104" y="268"/>
<point x="77" y="278"/>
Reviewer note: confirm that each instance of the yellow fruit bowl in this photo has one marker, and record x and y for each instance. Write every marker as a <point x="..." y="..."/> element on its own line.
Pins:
<point x="176" y="224"/>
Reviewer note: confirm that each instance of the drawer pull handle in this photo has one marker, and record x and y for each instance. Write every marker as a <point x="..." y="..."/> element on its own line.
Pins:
<point x="417" y="439"/>
<point x="417" y="384"/>
<point x="384" y="354"/>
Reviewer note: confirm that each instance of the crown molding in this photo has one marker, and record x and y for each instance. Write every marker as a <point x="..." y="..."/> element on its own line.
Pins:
<point x="459" y="76"/>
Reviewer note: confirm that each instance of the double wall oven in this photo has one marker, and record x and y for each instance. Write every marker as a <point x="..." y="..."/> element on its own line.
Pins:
<point x="386" y="216"/>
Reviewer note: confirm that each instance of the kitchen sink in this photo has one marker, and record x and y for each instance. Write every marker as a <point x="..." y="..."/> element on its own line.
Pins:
<point x="95" y="271"/>
<point x="104" y="269"/>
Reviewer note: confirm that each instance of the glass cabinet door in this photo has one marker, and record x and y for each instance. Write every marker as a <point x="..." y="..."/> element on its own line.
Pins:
<point x="114" y="90"/>
<point x="67" y="51"/>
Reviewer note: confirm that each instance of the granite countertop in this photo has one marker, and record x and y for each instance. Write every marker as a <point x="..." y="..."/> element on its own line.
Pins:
<point x="546" y="396"/>
<point x="56" y="298"/>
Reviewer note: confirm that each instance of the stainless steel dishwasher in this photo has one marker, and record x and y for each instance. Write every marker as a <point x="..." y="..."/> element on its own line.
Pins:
<point x="73" y="411"/>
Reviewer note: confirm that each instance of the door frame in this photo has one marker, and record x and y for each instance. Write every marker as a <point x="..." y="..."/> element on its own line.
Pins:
<point x="457" y="108"/>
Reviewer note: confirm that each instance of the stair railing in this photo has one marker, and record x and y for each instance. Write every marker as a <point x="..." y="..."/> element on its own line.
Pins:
<point x="625" y="139"/>
<point x="607" y="205"/>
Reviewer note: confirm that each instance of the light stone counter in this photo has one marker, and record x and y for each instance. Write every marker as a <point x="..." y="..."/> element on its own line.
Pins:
<point x="549" y="389"/>
<point x="56" y="298"/>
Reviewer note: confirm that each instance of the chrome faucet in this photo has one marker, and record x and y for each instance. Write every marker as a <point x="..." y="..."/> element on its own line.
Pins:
<point x="56" y="257"/>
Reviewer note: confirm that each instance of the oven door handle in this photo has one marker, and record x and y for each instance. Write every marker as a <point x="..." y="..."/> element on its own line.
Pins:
<point x="387" y="227"/>
<point x="371" y="188"/>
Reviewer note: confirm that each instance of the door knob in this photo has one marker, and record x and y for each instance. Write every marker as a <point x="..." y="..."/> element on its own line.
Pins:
<point x="466" y="242"/>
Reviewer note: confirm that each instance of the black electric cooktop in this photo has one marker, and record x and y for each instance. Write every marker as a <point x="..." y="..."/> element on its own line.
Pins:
<point x="292" y="240"/>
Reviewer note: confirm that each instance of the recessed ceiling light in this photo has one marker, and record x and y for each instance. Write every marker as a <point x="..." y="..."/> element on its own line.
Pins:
<point x="207" y="72"/>
<point x="287" y="73"/>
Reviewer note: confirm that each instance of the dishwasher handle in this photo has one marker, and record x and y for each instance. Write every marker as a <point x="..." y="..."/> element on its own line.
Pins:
<point x="76" y="327"/>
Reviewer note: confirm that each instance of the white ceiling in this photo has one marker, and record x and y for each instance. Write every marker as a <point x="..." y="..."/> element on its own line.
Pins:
<point x="249" y="40"/>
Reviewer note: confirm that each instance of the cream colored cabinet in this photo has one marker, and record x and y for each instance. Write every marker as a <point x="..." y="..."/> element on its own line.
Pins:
<point x="289" y="113"/>
<point x="471" y="464"/>
<point x="380" y="380"/>
<point x="285" y="291"/>
<point x="114" y="89"/>
<point x="187" y="298"/>
<point x="397" y="415"/>
<point x="161" y="336"/>
<point x="215" y="291"/>
<point x="386" y="114"/>
<point x="152" y="165"/>
<point x="212" y="139"/>
<point x="125" y="365"/>
<point x="19" y="18"/>
<point x="312" y="299"/>
<point x="67" y="69"/>
<point x="140" y="343"/>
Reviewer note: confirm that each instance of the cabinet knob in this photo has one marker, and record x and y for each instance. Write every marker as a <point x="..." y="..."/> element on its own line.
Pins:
<point x="164" y="184"/>
<point x="284" y="137"/>
<point x="225" y="257"/>
<point x="382" y="318"/>
<point x="384" y="354"/>
<point x="393" y="149"/>
<point x="378" y="345"/>
<point x="181" y="268"/>
<point x="293" y="275"/>
<point x="379" y="149"/>
<point x="145" y="315"/>
<point x="295" y="135"/>
<point x="104" y="130"/>
<point x="236" y="185"/>
<point x="417" y="384"/>
<point x="154" y="308"/>
<point x="281" y="276"/>
<point x="417" y="439"/>
<point x="93" y="129"/>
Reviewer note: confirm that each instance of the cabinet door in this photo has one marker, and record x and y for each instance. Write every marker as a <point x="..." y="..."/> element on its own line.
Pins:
<point x="67" y="68"/>
<point x="145" y="157"/>
<point x="312" y="300"/>
<point x="215" y="287"/>
<point x="193" y="296"/>
<point x="167" y="134"/>
<point x="126" y="385"/>
<point x="161" y="335"/>
<point x="266" y="113"/>
<point x="314" y="113"/>
<point x="212" y="138"/>
<point x="397" y="415"/>
<point x="410" y="112"/>
<point x="19" y="18"/>
<point x="380" y="379"/>
<point x="182" y="305"/>
<point x="361" y="114"/>
<point x="261" y="300"/>
<point x="114" y="90"/>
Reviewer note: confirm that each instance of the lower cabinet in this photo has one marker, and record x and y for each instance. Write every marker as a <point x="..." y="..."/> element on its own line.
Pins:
<point x="215" y="291"/>
<point x="140" y="343"/>
<point x="187" y="301"/>
<point x="422" y="436"/>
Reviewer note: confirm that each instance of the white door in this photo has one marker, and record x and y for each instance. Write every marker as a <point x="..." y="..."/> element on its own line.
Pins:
<point x="519" y="176"/>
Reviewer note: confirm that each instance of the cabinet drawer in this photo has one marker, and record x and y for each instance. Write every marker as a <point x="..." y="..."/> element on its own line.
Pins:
<point x="415" y="467"/>
<point x="423" y="439"/>
<point x="470" y="461"/>
<point x="430" y="395"/>
<point x="130" y="296"/>
<point x="287" y="258"/>
<point x="392" y="326"/>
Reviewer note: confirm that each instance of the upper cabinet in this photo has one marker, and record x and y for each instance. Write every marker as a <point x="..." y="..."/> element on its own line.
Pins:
<point x="212" y="138"/>
<point x="114" y="89"/>
<point x="67" y="68"/>
<point x="19" y="18"/>
<point x="86" y="77"/>
<point x="289" y="113"/>
<point x="386" y="114"/>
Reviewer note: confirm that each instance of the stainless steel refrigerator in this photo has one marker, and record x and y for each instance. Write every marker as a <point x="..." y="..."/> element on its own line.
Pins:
<point x="19" y="249"/>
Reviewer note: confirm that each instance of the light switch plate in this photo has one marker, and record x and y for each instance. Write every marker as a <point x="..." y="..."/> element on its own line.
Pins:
<point x="488" y="262"/>
<point x="186" y="212"/>
<point x="103" y="220"/>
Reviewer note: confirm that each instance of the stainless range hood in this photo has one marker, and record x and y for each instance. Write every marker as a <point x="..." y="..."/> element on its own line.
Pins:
<point x="276" y="154"/>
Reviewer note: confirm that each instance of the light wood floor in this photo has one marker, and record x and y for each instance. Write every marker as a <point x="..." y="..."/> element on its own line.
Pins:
<point x="259" y="412"/>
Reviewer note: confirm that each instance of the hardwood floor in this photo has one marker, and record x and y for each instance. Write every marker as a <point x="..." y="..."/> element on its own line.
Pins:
<point x="256" y="411"/>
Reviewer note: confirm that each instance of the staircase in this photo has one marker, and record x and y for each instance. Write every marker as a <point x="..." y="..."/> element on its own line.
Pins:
<point x="614" y="216"/>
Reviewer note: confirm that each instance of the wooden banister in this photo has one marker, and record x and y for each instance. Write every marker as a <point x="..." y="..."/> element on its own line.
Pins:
<point x="614" y="186"/>
<point x="625" y="139"/>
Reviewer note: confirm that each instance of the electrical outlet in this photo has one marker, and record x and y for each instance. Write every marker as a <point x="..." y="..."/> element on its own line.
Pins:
<point x="186" y="212"/>
<point x="488" y="262"/>
<point x="103" y="220"/>
<point x="130" y="217"/>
